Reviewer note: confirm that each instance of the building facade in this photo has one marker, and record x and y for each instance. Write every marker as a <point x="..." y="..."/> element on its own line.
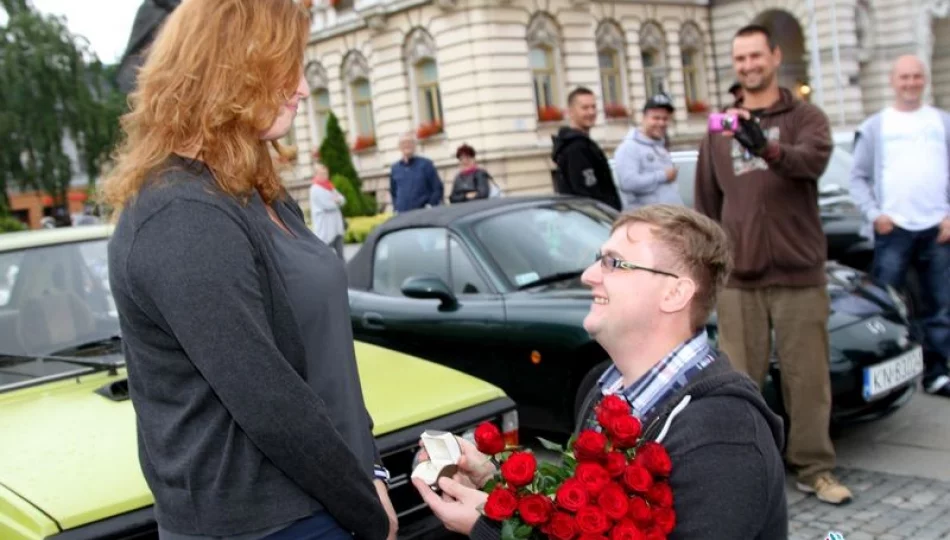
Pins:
<point x="495" y="73"/>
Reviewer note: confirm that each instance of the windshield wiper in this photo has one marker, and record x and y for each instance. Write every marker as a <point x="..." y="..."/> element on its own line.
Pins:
<point x="553" y="278"/>
<point x="98" y="365"/>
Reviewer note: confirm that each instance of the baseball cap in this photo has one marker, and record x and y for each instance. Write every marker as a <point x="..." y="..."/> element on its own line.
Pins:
<point x="659" y="101"/>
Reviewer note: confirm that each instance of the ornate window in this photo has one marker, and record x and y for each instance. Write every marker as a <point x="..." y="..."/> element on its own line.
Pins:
<point x="424" y="79"/>
<point x="694" y="72"/>
<point x="612" y="62"/>
<point x="356" y="75"/>
<point x="544" y="51"/>
<point x="319" y="109"/>
<point x="653" y="57"/>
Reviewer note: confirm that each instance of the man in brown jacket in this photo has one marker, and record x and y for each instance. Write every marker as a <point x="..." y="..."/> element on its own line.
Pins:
<point x="760" y="180"/>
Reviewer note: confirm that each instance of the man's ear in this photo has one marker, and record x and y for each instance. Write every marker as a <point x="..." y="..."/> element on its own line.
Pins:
<point x="679" y="296"/>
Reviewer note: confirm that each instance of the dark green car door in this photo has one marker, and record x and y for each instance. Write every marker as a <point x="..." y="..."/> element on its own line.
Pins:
<point x="464" y="335"/>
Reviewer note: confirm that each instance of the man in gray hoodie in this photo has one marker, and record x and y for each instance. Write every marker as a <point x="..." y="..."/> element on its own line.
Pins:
<point x="644" y="169"/>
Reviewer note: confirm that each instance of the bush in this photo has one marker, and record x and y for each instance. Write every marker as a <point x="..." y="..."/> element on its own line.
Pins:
<point x="360" y="227"/>
<point x="11" y="224"/>
<point x="356" y="201"/>
<point x="335" y="154"/>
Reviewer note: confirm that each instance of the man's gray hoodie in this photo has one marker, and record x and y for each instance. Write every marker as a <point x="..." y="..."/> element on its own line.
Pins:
<point x="640" y="165"/>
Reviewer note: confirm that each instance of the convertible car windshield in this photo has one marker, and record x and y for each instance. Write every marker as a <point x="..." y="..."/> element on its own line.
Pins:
<point x="54" y="300"/>
<point x="541" y="244"/>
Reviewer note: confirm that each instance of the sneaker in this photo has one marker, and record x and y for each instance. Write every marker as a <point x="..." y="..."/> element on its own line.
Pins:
<point x="827" y="488"/>
<point x="939" y="386"/>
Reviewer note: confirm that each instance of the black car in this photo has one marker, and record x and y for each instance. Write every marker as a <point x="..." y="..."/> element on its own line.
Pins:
<point x="492" y="288"/>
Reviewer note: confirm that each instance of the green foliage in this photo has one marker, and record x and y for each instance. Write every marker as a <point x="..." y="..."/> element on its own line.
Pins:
<point x="52" y="89"/>
<point x="335" y="154"/>
<point x="11" y="224"/>
<point x="360" y="227"/>
<point x="354" y="203"/>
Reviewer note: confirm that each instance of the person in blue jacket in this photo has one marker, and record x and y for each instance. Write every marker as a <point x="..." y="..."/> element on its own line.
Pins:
<point x="414" y="181"/>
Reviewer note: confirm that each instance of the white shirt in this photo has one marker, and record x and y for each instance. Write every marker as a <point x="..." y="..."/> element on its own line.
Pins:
<point x="326" y="219"/>
<point x="914" y="168"/>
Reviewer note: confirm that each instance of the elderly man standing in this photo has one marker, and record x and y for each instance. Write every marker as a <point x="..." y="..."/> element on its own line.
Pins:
<point x="644" y="168"/>
<point x="413" y="180"/>
<point x="901" y="181"/>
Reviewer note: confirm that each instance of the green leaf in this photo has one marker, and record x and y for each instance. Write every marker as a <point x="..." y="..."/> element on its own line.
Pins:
<point x="523" y="531"/>
<point x="508" y="530"/>
<point x="490" y="485"/>
<point x="552" y="446"/>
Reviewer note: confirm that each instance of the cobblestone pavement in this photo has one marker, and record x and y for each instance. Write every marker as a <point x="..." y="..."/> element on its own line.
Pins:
<point x="885" y="507"/>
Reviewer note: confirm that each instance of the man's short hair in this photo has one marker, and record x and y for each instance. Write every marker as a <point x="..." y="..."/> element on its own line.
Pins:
<point x="579" y="91"/>
<point x="695" y="244"/>
<point x="752" y="29"/>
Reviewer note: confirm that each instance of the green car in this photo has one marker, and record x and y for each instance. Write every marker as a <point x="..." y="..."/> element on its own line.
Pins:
<point x="68" y="462"/>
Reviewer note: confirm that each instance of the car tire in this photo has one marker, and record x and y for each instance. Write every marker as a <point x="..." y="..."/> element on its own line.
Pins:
<point x="588" y="382"/>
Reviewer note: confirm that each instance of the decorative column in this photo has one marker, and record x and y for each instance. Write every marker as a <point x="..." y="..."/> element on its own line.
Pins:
<point x="931" y="9"/>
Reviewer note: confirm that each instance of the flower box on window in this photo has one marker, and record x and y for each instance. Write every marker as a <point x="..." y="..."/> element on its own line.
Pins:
<point x="429" y="129"/>
<point x="363" y="142"/>
<point x="615" y="110"/>
<point x="549" y="113"/>
<point x="697" y="107"/>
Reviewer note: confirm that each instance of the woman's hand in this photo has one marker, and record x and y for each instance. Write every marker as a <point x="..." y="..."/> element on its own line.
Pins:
<point x="458" y="508"/>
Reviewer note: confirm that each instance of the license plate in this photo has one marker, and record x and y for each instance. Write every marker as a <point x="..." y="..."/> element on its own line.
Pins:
<point x="888" y="375"/>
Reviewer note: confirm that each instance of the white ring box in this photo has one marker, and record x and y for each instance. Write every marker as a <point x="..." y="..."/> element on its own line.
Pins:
<point x="444" y="453"/>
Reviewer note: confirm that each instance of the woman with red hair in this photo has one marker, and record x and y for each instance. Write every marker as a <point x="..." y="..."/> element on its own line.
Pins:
<point x="250" y="417"/>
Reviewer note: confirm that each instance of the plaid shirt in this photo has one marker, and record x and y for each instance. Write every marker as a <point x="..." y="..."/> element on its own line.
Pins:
<point x="663" y="379"/>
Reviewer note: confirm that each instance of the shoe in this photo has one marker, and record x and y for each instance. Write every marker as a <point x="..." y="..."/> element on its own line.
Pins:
<point x="827" y="488"/>
<point x="939" y="386"/>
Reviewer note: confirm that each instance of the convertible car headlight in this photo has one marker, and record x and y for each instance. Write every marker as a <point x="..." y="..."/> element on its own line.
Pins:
<point x="898" y="301"/>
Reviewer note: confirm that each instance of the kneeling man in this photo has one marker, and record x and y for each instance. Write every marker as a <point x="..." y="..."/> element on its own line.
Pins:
<point x="655" y="284"/>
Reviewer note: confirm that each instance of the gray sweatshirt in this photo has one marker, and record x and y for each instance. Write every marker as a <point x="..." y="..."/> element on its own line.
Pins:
<point x="867" y="187"/>
<point x="232" y="436"/>
<point x="640" y="164"/>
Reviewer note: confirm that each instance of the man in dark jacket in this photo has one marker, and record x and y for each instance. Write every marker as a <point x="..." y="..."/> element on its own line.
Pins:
<point x="148" y="19"/>
<point x="582" y="167"/>
<point x="654" y="287"/>
<point x="414" y="181"/>
<point x="761" y="182"/>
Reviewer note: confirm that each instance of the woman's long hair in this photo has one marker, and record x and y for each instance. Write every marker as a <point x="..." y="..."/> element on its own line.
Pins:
<point x="216" y="77"/>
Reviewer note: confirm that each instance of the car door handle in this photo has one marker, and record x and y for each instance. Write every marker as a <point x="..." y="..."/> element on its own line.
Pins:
<point x="373" y="321"/>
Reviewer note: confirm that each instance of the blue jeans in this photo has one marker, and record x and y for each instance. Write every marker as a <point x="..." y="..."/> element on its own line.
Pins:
<point x="894" y="255"/>
<point x="320" y="526"/>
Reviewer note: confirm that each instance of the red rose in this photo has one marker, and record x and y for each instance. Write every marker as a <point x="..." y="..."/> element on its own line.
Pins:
<point x="640" y="512"/>
<point x="661" y="495"/>
<point x="614" y="501"/>
<point x="501" y="504"/>
<point x="616" y="463"/>
<point x="590" y="446"/>
<point x="488" y="439"/>
<point x="536" y="509"/>
<point x="664" y="519"/>
<point x="626" y="530"/>
<point x="592" y="520"/>
<point x="610" y="407"/>
<point x="518" y="470"/>
<point x="655" y="534"/>
<point x="655" y="458"/>
<point x="572" y="495"/>
<point x="591" y="537"/>
<point x="593" y="476"/>
<point x="624" y="431"/>
<point x="637" y="478"/>
<point x="561" y="527"/>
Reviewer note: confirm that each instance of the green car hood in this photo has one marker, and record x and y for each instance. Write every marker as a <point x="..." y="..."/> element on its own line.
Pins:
<point x="73" y="453"/>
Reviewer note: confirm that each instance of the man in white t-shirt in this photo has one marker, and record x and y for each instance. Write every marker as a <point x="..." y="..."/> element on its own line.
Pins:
<point x="901" y="182"/>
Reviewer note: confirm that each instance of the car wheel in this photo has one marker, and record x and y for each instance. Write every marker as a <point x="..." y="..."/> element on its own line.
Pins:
<point x="588" y="382"/>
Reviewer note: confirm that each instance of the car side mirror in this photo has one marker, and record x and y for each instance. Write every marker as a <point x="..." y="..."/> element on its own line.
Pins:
<point x="427" y="288"/>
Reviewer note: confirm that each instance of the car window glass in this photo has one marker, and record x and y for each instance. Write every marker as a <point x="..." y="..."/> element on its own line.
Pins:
<point x="530" y="244"/>
<point x="465" y="278"/>
<point x="838" y="171"/>
<point x="9" y="268"/>
<point x="686" y="179"/>
<point x="406" y="253"/>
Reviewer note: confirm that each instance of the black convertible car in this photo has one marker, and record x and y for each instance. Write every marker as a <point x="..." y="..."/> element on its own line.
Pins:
<point x="492" y="288"/>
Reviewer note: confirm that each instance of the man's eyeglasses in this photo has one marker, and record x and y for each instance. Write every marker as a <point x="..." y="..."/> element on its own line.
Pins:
<point x="610" y="263"/>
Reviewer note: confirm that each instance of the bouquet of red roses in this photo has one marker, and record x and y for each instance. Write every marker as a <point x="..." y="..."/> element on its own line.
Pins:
<point x="611" y="484"/>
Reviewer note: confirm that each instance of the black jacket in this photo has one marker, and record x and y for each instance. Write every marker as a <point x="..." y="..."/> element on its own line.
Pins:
<point x="582" y="168"/>
<point x="478" y="181"/>
<point x="728" y="477"/>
